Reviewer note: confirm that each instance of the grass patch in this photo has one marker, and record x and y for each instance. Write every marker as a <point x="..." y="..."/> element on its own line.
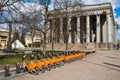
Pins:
<point x="10" y="59"/>
<point x="15" y="58"/>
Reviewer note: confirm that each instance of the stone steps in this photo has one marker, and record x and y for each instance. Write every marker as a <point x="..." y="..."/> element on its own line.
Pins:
<point x="76" y="46"/>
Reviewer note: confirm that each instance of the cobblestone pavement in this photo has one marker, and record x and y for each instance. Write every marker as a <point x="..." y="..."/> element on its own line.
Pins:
<point x="102" y="65"/>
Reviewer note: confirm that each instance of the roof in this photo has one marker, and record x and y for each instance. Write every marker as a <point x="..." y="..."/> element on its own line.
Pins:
<point x="4" y="30"/>
<point x="18" y="44"/>
<point x="98" y="4"/>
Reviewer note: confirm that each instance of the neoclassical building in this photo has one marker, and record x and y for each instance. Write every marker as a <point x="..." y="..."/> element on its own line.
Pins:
<point x="3" y="38"/>
<point x="84" y="24"/>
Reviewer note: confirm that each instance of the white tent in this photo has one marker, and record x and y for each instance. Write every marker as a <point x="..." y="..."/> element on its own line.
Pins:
<point x="18" y="44"/>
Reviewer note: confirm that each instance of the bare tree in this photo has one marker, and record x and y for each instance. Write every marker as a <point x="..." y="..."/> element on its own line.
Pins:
<point x="30" y="19"/>
<point x="66" y="8"/>
<point x="7" y="3"/>
<point x="44" y="28"/>
<point x="33" y="20"/>
<point x="7" y="8"/>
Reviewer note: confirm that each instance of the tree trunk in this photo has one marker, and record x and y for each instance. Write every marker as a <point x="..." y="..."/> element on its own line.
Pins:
<point x="52" y="37"/>
<point x="45" y="29"/>
<point x="32" y="37"/>
<point x="9" y="48"/>
<point x="44" y="44"/>
<point x="66" y="50"/>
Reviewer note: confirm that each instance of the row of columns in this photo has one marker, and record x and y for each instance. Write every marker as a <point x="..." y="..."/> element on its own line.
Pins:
<point x="78" y="30"/>
<point x="98" y="28"/>
<point x="107" y="36"/>
<point x="77" y="34"/>
<point x="87" y="29"/>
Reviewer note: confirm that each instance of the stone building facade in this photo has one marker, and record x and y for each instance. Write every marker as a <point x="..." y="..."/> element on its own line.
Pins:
<point x="37" y="39"/>
<point x="84" y="24"/>
<point x="3" y="38"/>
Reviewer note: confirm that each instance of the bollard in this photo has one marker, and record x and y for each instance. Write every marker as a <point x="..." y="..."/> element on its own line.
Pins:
<point x="17" y="69"/>
<point x="6" y="71"/>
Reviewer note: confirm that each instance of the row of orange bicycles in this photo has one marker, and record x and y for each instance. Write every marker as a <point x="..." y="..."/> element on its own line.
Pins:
<point x="38" y="64"/>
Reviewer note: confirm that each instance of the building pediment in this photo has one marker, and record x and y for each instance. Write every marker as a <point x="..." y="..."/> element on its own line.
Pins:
<point x="81" y="10"/>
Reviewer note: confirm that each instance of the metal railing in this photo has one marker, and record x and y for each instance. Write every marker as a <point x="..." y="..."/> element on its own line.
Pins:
<point x="7" y="72"/>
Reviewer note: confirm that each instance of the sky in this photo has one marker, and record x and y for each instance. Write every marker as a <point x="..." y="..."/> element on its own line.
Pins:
<point x="115" y="5"/>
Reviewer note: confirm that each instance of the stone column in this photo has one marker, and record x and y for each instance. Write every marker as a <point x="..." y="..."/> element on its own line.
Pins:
<point x="93" y="36"/>
<point x="69" y="30"/>
<point x="105" y="32"/>
<point x="49" y="35"/>
<point x="78" y="30"/>
<point x="61" y="30"/>
<point x="110" y="28"/>
<point x="88" y="29"/>
<point x="115" y="32"/>
<point x="110" y="31"/>
<point x="53" y="30"/>
<point x="98" y="28"/>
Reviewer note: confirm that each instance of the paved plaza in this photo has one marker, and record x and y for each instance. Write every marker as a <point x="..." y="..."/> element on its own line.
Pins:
<point x="102" y="65"/>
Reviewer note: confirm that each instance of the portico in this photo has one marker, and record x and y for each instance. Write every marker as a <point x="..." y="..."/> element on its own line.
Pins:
<point x="88" y="24"/>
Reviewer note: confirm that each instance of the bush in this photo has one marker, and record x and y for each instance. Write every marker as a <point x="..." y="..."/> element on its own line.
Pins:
<point x="18" y="50"/>
<point x="29" y="45"/>
<point x="37" y="51"/>
<point x="15" y="50"/>
<point x="0" y="45"/>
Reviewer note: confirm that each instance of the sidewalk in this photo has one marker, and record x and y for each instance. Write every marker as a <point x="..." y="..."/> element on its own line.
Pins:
<point x="102" y="65"/>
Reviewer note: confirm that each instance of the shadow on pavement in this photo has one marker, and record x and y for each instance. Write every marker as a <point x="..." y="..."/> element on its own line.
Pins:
<point x="111" y="64"/>
<point x="101" y="65"/>
<point x="112" y="57"/>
